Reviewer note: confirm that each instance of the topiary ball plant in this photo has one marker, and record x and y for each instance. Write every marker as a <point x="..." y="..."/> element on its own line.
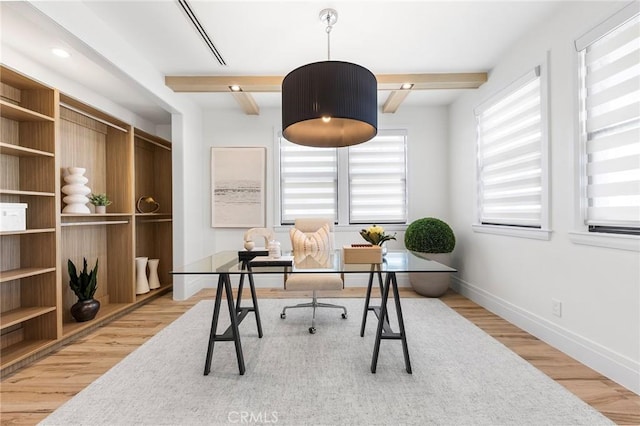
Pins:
<point x="429" y="235"/>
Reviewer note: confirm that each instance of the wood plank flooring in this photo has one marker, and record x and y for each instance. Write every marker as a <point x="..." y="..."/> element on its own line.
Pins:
<point x="31" y="393"/>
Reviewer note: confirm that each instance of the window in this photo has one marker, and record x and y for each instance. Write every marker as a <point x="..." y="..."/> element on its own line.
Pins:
<point x="609" y="124"/>
<point x="308" y="182"/>
<point x="378" y="181"/>
<point x="512" y="183"/>
<point x="374" y="175"/>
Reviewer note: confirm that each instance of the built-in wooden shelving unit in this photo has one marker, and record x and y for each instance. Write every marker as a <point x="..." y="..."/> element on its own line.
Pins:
<point x="42" y="133"/>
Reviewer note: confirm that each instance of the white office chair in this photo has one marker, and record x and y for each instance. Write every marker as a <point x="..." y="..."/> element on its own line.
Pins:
<point x="312" y="242"/>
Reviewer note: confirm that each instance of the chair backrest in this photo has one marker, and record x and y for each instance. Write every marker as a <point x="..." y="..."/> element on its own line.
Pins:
<point x="310" y="225"/>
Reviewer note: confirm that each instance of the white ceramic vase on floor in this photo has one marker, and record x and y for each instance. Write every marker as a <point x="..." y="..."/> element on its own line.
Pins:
<point x="142" y="284"/>
<point x="76" y="190"/>
<point x="154" y="280"/>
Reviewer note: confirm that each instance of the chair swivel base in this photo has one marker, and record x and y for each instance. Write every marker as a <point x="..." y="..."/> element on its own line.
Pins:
<point x="314" y="304"/>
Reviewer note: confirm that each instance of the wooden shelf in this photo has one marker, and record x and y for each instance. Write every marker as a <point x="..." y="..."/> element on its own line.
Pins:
<point x="166" y="220"/>
<point x="16" y="316"/>
<point x="17" y="80"/>
<point x="152" y="214"/>
<point x="21" y="151"/>
<point x="29" y="231"/>
<point x="95" y="214"/>
<point x="95" y="223"/>
<point x="30" y="193"/>
<point x="16" y="274"/>
<point x="106" y="311"/>
<point x="95" y="219"/>
<point x="19" y="351"/>
<point x="18" y="113"/>
<point x="154" y="293"/>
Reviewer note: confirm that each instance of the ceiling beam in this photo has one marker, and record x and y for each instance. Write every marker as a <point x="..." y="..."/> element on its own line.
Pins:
<point x="247" y="103"/>
<point x="262" y="84"/>
<point x="394" y="100"/>
<point x="255" y="84"/>
<point x="437" y="81"/>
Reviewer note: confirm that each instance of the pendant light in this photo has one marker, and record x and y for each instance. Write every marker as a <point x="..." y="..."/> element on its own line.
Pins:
<point x="329" y="103"/>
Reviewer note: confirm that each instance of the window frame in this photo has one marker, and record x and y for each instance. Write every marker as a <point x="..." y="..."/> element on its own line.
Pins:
<point x="544" y="231"/>
<point x="343" y="198"/>
<point x="582" y="234"/>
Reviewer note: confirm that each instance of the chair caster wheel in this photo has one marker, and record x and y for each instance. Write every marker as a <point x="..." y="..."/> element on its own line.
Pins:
<point x="344" y="316"/>
<point x="283" y="315"/>
<point x="312" y="330"/>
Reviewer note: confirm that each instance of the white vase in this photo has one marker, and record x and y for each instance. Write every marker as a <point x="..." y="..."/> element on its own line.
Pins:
<point x="154" y="280"/>
<point x="142" y="284"/>
<point x="76" y="190"/>
<point x="101" y="209"/>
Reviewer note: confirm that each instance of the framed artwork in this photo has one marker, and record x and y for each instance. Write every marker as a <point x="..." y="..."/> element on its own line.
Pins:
<point x="238" y="196"/>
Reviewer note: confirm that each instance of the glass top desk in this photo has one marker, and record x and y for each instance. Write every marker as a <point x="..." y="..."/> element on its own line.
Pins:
<point x="227" y="263"/>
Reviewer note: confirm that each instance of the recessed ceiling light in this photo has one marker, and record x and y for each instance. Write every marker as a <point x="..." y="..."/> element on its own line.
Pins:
<point x="406" y="86"/>
<point x="235" y="88"/>
<point x="61" y="53"/>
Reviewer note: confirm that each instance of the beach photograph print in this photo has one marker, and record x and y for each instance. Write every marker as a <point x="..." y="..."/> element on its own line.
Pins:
<point x="238" y="187"/>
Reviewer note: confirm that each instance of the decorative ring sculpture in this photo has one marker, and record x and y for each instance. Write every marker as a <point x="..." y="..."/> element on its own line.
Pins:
<point x="152" y="205"/>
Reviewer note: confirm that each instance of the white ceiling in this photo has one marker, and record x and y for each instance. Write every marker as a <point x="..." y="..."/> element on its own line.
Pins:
<point x="274" y="37"/>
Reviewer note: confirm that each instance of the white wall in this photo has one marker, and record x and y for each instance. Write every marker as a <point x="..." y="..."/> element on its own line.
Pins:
<point x="427" y="181"/>
<point x="516" y="277"/>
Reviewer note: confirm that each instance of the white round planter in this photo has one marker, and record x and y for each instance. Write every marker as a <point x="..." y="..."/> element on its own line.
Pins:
<point x="433" y="284"/>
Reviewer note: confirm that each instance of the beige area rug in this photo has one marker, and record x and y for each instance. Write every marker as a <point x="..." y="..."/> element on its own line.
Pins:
<point x="461" y="376"/>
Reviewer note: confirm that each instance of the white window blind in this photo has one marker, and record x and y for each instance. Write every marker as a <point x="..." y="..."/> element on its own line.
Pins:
<point x="378" y="180"/>
<point x="510" y="155"/>
<point x="610" y="120"/>
<point x="308" y="181"/>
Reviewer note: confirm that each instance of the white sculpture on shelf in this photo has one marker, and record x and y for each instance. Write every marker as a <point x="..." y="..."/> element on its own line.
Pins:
<point x="76" y="190"/>
<point x="142" y="284"/>
<point x="266" y="233"/>
<point x="154" y="280"/>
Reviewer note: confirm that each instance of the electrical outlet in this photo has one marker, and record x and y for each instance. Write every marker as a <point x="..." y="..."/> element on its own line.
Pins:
<point x="556" y="308"/>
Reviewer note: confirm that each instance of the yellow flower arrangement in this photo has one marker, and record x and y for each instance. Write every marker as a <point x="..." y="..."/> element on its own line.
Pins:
<point x="375" y="235"/>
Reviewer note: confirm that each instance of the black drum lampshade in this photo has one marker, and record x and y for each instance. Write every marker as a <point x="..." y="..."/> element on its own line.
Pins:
<point x="329" y="104"/>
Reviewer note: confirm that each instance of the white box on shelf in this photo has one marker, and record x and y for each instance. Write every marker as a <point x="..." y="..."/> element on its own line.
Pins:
<point x="13" y="217"/>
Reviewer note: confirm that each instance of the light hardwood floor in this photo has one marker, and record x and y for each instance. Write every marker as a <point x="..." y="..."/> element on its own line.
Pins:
<point x="30" y="394"/>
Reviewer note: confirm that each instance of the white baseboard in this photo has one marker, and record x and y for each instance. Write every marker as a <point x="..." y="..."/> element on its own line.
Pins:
<point x="617" y="367"/>
<point x="186" y="286"/>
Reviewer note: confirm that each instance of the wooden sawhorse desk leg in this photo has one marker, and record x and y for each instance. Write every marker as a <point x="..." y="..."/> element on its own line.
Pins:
<point x="232" y="333"/>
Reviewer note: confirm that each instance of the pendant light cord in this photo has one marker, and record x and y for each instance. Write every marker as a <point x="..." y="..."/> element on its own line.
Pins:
<point x="328" y="30"/>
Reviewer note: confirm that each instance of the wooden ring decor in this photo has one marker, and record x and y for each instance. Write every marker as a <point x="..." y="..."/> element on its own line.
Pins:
<point x="152" y="205"/>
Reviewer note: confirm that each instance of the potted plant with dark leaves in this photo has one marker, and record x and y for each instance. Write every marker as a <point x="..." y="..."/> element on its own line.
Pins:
<point x="433" y="239"/>
<point x="84" y="286"/>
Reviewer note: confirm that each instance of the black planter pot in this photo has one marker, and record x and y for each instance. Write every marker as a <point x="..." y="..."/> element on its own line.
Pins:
<point x="85" y="310"/>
